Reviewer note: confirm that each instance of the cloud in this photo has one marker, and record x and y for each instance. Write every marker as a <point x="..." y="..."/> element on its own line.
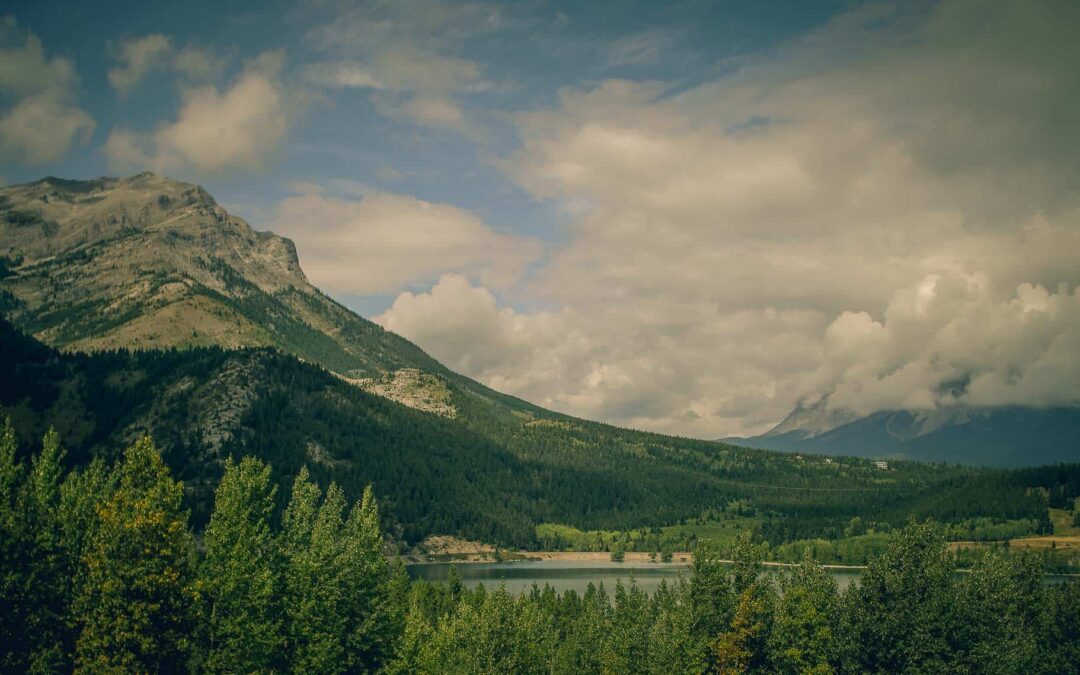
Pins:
<point x="357" y="240"/>
<point x="883" y="211"/>
<point x="198" y="64"/>
<point x="42" y="122"/>
<point x="137" y="58"/>
<point x="947" y="341"/>
<point x="342" y="75"/>
<point x="238" y="128"/>
<point x="405" y="52"/>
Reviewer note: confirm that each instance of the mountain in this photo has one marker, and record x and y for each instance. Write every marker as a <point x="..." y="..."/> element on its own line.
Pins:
<point x="139" y="305"/>
<point x="1008" y="436"/>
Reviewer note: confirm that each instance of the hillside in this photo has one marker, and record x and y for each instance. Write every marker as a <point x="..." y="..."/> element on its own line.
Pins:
<point x="1011" y="436"/>
<point x="154" y="310"/>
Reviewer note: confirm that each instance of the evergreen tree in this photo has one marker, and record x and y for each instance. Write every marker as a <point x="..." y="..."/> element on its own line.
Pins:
<point x="313" y="594"/>
<point x="671" y="641"/>
<point x="48" y="578"/>
<point x="711" y="596"/>
<point x="239" y="573"/>
<point x="364" y="575"/>
<point x="13" y="544"/>
<point x="135" y="606"/>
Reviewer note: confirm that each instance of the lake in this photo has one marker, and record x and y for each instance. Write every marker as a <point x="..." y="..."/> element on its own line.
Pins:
<point x="562" y="575"/>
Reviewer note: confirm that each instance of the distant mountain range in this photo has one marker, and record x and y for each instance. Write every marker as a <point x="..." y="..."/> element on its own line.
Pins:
<point x="1011" y="436"/>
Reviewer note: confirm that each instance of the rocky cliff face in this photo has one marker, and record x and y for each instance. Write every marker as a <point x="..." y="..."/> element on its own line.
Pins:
<point x="148" y="262"/>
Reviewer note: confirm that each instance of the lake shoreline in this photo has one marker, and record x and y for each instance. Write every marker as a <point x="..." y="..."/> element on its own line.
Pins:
<point x="631" y="559"/>
<point x="679" y="558"/>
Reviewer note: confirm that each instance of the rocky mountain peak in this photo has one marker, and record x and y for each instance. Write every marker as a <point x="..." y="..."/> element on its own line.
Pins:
<point x="147" y="262"/>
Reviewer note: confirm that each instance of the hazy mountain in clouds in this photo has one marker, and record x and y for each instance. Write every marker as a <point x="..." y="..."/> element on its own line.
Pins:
<point x="995" y="436"/>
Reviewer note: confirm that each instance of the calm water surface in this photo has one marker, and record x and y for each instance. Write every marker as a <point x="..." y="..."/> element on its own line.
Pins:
<point x="564" y="575"/>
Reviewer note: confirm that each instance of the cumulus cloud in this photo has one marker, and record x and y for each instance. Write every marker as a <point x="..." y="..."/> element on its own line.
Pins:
<point x="949" y="341"/>
<point x="42" y="121"/>
<point x="216" y="130"/>
<point x="354" y="239"/>
<point x="883" y="212"/>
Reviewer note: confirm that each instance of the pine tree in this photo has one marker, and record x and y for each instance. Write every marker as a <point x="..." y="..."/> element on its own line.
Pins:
<point x="239" y="574"/>
<point x="135" y="609"/>
<point x="48" y="589"/>
<point x="314" y="596"/>
<point x="13" y="535"/>
<point x="364" y="575"/>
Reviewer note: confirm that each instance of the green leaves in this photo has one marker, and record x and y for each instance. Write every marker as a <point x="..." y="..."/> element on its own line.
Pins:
<point x="240" y="573"/>
<point x="337" y="605"/>
<point x="135" y="610"/>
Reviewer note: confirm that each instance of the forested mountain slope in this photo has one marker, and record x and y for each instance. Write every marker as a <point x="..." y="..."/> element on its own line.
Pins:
<point x="490" y="479"/>
<point x="112" y="272"/>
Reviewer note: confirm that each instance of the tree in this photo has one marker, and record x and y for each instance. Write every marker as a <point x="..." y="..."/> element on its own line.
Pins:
<point x="342" y="613"/>
<point x="364" y="575"/>
<point x="316" y="626"/>
<point x="618" y="551"/>
<point x="239" y="573"/>
<point x="895" y="620"/>
<point x="135" y="607"/>
<point x="671" y="641"/>
<point x="13" y="543"/>
<point x="743" y="648"/>
<point x="804" y="624"/>
<point x="997" y="618"/>
<point x="48" y="578"/>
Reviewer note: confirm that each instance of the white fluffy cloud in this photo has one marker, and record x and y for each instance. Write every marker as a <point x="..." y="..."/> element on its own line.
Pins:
<point x="365" y="241"/>
<point x="216" y="130"/>
<point x="42" y="122"/>
<point x="884" y="212"/>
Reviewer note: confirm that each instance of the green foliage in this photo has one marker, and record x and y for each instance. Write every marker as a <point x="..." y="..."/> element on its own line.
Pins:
<point x="898" y="613"/>
<point x="135" y="608"/>
<point x="110" y="556"/>
<point x="998" y="616"/>
<point x="618" y="552"/>
<point x="742" y="648"/>
<point x="804" y="625"/>
<point x="339" y="610"/>
<point x="239" y="574"/>
<point x="495" y="473"/>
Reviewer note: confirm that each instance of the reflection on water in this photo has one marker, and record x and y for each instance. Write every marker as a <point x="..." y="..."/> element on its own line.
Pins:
<point x="565" y="575"/>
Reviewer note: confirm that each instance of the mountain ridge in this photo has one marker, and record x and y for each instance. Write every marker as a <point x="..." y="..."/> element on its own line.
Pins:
<point x="1003" y="436"/>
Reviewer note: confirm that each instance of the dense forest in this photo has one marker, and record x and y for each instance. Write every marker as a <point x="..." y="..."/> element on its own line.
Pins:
<point x="492" y="474"/>
<point x="100" y="571"/>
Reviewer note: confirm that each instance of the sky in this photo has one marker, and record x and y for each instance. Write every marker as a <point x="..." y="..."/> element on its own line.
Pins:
<point x="688" y="217"/>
